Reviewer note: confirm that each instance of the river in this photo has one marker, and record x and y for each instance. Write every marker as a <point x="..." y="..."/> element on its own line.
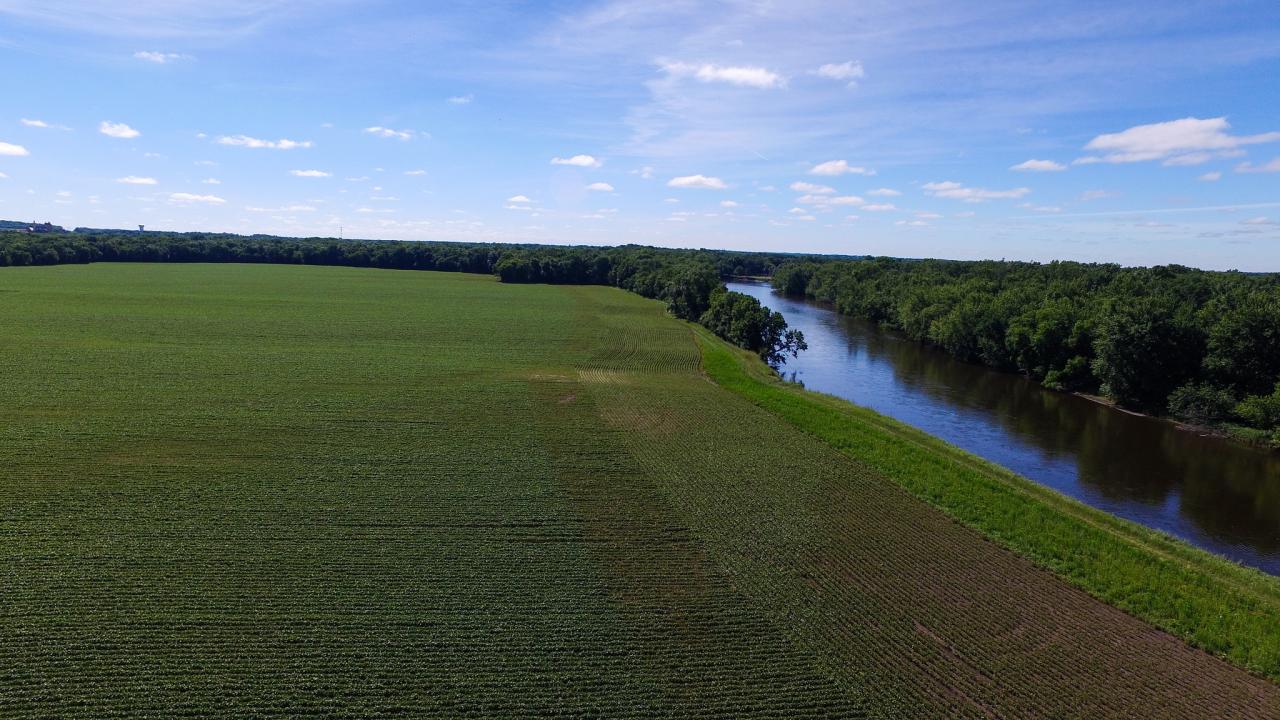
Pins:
<point x="1213" y="493"/>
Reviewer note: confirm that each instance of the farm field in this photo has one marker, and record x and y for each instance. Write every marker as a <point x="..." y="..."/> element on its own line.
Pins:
<point x="267" y="490"/>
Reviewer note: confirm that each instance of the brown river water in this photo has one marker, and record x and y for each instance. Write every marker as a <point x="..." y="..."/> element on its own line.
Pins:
<point x="1213" y="493"/>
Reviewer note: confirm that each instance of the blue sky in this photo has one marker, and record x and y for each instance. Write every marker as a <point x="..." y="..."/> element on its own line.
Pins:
<point x="1133" y="132"/>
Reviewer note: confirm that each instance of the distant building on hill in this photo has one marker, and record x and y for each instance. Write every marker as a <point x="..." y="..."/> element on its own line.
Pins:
<point x="45" y="227"/>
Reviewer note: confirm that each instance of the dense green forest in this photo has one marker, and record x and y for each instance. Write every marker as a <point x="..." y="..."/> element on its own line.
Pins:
<point x="1201" y="346"/>
<point x="689" y="281"/>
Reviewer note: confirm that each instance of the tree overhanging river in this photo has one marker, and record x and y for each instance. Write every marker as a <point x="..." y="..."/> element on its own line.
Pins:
<point x="1213" y="493"/>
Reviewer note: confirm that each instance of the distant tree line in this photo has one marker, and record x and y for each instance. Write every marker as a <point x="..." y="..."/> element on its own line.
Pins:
<point x="1203" y="346"/>
<point x="690" y="282"/>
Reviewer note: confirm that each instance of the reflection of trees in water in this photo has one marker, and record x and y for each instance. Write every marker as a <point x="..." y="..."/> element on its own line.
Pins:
<point x="1227" y="491"/>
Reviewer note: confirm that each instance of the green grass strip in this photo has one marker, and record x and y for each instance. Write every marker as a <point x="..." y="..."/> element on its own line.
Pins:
<point x="1212" y="603"/>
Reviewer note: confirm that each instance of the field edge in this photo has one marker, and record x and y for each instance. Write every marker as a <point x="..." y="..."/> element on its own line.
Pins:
<point x="1213" y="604"/>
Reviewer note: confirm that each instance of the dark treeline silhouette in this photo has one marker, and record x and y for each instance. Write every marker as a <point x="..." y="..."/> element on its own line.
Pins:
<point x="689" y="281"/>
<point x="1203" y="346"/>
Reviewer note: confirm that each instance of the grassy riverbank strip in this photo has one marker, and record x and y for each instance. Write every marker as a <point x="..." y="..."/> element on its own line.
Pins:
<point x="1212" y="603"/>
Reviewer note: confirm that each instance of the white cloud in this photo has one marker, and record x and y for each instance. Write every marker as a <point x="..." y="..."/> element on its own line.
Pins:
<point x="600" y="187"/>
<point x="517" y="207"/>
<point x="10" y="150"/>
<point x="645" y="173"/>
<point x="211" y="181"/>
<point x="701" y="182"/>
<point x="190" y="198"/>
<point x="744" y="76"/>
<point x="956" y="191"/>
<point x="1258" y="221"/>
<point x="160" y="58"/>
<point x="389" y="133"/>
<point x="1039" y="166"/>
<point x="884" y="192"/>
<point x="372" y="211"/>
<point x="286" y="208"/>
<point x="252" y="142"/>
<point x="3" y="176"/>
<point x="35" y="123"/>
<point x="1245" y="167"/>
<point x="839" y="167"/>
<point x="912" y="223"/>
<point x="414" y="173"/>
<point x="310" y="173"/>
<point x="117" y="130"/>
<point x="927" y="215"/>
<point x="804" y="187"/>
<point x="586" y="161"/>
<point x="728" y="204"/>
<point x="1188" y="141"/>
<point x="1214" y="176"/>
<point x="461" y="99"/>
<point x="886" y="207"/>
<point x="1095" y="195"/>
<point x="851" y="70"/>
<point x="845" y="200"/>
<point x="135" y="180"/>
<point x="519" y="199"/>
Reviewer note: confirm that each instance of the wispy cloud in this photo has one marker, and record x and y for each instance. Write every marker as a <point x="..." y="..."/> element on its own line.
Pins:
<point x="839" y="167"/>
<point x="136" y="180"/>
<point x="585" y="161"/>
<point x="284" y="208"/>
<point x="310" y="173"/>
<point x="1271" y="167"/>
<point x="256" y="143"/>
<point x="11" y="150"/>
<point x="600" y="187"/>
<point x="1189" y="141"/>
<point x="804" y="187"/>
<point x="389" y="133"/>
<point x="1039" y="166"/>
<point x="159" y="58"/>
<point x="884" y="192"/>
<point x="117" y="130"/>
<point x="956" y="191"/>
<point x="740" y="75"/>
<point x="186" y="198"/>
<point x="461" y="99"/>
<point x="700" y="182"/>
<point x="848" y="72"/>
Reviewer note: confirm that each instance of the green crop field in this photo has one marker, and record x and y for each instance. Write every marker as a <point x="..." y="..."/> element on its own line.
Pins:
<point x="267" y="490"/>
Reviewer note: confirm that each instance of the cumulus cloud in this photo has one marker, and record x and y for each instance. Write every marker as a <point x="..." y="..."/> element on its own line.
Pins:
<point x="159" y="58"/>
<point x="1039" y="166"/>
<point x="35" y="123"/>
<point x="211" y="181"/>
<point x="11" y="150"/>
<point x="700" y="182"/>
<point x="183" y="197"/>
<point x="389" y="133"/>
<point x="956" y="191"/>
<point x="117" y="130"/>
<point x="519" y="199"/>
<point x="885" y="207"/>
<point x="728" y="204"/>
<point x="884" y="192"/>
<point x="600" y="187"/>
<point x="135" y="180"/>
<point x="1271" y="167"/>
<point x="586" y="161"/>
<point x="1188" y="141"/>
<point x="847" y="72"/>
<point x="839" y="167"/>
<point x="310" y="173"/>
<point x="461" y="99"/>
<point x="740" y="75"/>
<point x="805" y="187"/>
<point x="252" y="142"/>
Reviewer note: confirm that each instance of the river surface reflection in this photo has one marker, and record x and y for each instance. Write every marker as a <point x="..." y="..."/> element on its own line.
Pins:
<point x="1216" y="494"/>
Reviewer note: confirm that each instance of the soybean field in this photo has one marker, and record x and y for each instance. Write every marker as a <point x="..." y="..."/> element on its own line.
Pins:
<point x="285" y="491"/>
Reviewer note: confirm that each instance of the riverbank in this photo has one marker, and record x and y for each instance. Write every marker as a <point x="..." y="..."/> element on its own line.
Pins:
<point x="1212" y="603"/>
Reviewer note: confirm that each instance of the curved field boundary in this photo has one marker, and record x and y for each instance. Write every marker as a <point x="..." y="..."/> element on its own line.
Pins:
<point x="1216" y="605"/>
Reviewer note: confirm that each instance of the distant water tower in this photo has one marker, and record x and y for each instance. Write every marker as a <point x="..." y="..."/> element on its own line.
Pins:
<point x="142" y="228"/>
